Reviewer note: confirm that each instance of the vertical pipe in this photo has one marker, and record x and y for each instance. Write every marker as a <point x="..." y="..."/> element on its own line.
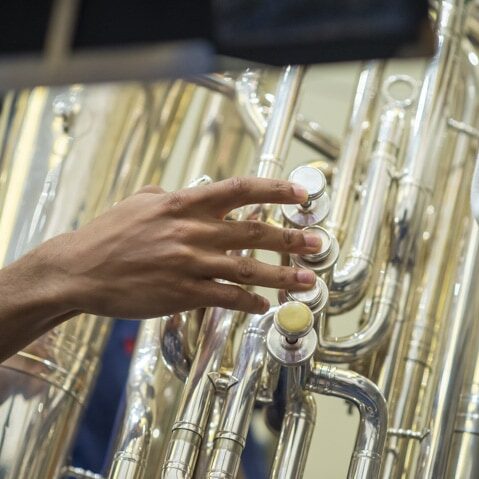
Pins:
<point x="463" y="462"/>
<point x="446" y="385"/>
<point x="238" y="408"/>
<point x="295" y="437"/>
<point x="354" y="146"/>
<point x="190" y="425"/>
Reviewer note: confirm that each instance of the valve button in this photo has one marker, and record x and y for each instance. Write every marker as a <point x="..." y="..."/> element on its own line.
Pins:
<point x="294" y="318"/>
<point x="312" y="179"/>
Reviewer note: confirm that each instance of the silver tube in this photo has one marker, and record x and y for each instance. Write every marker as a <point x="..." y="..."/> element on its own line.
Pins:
<point x="277" y="137"/>
<point x="192" y="416"/>
<point x="151" y="394"/>
<point x="419" y="174"/>
<point x="446" y="385"/>
<point x="463" y="462"/>
<point x="238" y="408"/>
<point x="328" y="380"/>
<point x="350" y="348"/>
<point x="420" y="328"/>
<point x="295" y="438"/>
<point x="312" y="134"/>
<point x="357" y="136"/>
<point x="349" y="281"/>
<point x="244" y="91"/>
<point x="189" y="428"/>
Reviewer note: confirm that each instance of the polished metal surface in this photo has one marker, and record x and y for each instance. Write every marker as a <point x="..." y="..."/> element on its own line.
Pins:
<point x="51" y="183"/>
<point x="368" y="450"/>
<point x="389" y="326"/>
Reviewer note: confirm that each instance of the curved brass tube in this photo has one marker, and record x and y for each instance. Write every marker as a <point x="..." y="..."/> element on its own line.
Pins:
<point x="368" y="451"/>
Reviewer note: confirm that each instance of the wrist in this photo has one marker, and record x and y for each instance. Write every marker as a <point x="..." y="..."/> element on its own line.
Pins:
<point x="49" y="285"/>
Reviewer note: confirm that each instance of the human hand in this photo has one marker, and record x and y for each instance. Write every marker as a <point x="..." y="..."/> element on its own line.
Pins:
<point x="158" y="253"/>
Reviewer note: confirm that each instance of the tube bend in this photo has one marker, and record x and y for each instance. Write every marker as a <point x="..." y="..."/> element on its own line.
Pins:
<point x="328" y="380"/>
<point x="347" y="349"/>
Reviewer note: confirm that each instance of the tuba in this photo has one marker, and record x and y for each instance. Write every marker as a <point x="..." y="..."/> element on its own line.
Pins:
<point x="390" y="327"/>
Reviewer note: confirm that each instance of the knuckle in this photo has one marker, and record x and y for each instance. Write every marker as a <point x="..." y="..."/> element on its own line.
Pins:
<point x="292" y="237"/>
<point x="183" y="254"/>
<point x="246" y="268"/>
<point x="176" y="201"/>
<point x="283" y="274"/>
<point x="255" y="230"/>
<point x="231" y="295"/>
<point x="283" y="187"/>
<point x="239" y="186"/>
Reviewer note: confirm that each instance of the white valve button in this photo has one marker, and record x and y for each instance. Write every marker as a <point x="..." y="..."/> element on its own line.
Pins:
<point x="312" y="179"/>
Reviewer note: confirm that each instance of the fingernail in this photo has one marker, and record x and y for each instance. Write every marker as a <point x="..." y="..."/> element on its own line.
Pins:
<point x="305" y="276"/>
<point x="265" y="304"/>
<point x="300" y="193"/>
<point x="312" y="240"/>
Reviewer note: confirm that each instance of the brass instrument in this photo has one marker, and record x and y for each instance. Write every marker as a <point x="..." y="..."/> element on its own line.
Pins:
<point x="390" y="325"/>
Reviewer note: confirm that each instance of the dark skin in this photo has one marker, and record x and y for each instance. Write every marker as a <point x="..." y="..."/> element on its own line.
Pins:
<point x="153" y="254"/>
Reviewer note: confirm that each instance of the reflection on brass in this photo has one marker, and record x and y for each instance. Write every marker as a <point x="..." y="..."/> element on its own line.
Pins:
<point x="400" y="268"/>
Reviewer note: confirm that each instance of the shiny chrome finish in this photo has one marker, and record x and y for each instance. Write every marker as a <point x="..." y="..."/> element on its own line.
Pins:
<point x="463" y="462"/>
<point x="151" y="395"/>
<point x="295" y="437"/>
<point x="354" y="147"/>
<point x="350" y="280"/>
<point x="244" y="90"/>
<point x="52" y="181"/>
<point x="447" y="383"/>
<point x="189" y="428"/>
<point x="368" y="450"/>
<point x="241" y="394"/>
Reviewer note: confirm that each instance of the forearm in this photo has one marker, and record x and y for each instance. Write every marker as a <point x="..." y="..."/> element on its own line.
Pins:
<point x="32" y="300"/>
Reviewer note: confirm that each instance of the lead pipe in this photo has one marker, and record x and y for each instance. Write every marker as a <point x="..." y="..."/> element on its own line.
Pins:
<point x="328" y="380"/>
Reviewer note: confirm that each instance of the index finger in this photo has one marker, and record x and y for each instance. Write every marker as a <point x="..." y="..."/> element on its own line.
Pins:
<point x="232" y="193"/>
